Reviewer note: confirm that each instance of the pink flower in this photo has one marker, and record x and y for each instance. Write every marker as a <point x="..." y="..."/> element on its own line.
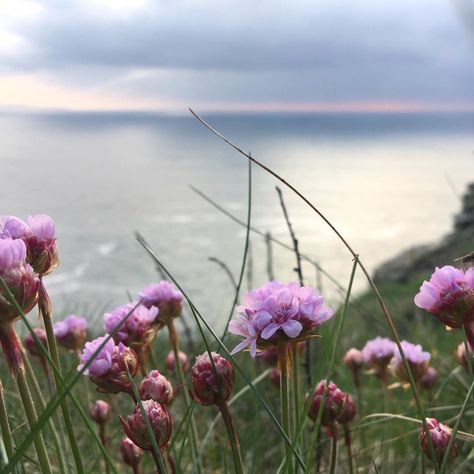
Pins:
<point x="377" y="353"/>
<point x="32" y="346"/>
<point x="41" y="244"/>
<point x="108" y="369"/>
<point x="165" y="297"/>
<point x="206" y="389"/>
<point x="13" y="228"/>
<point x="160" y="422"/>
<point x="449" y="295"/>
<point x="71" y="332"/>
<point x="131" y="453"/>
<point x="156" y="386"/>
<point x="101" y="412"/>
<point x="183" y="360"/>
<point x="275" y="312"/>
<point x="353" y="360"/>
<point x="137" y="330"/>
<point x="417" y="359"/>
<point x="440" y="435"/>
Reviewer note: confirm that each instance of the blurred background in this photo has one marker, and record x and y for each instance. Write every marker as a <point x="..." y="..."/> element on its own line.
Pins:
<point x="366" y="107"/>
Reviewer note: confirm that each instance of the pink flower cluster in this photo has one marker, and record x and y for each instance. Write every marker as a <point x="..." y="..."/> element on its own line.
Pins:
<point x="165" y="297"/>
<point x="440" y="435"/>
<point x="278" y="311"/>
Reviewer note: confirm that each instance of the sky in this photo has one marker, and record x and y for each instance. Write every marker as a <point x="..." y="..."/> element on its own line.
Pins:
<point x="238" y="55"/>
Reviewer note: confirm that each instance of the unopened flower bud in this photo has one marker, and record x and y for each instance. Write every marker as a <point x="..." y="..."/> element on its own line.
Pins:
<point x="353" y="360"/>
<point x="156" y="386"/>
<point x="109" y="368"/>
<point x="429" y="379"/>
<point x="71" y="332"/>
<point x="183" y="360"/>
<point x="207" y="390"/>
<point x="160" y="422"/>
<point x="131" y="453"/>
<point x="31" y="344"/>
<point x="461" y="356"/>
<point x="440" y="435"/>
<point x="101" y="412"/>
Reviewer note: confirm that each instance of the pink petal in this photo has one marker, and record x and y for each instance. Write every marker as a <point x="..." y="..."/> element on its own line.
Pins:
<point x="292" y="328"/>
<point x="271" y="329"/>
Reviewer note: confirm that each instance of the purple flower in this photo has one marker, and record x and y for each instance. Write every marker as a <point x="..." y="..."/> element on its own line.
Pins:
<point x="137" y="330"/>
<point x="449" y="295"/>
<point x="278" y="311"/>
<point x="13" y="228"/>
<point x="42" y="227"/>
<point x="440" y="435"/>
<point x="377" y="354"/>
<point x="71" y="332"/>
<point x="165" y="297"/>
<point x="108" y="370"/>
<point x="417" y="359"/>
<point x="429" y="379"/>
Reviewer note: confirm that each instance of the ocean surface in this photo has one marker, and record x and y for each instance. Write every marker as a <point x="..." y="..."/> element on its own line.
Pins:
<point x="387" y="182"/>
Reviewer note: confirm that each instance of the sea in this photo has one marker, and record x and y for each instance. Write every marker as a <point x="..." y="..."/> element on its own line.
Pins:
<point x="387" y="182"/>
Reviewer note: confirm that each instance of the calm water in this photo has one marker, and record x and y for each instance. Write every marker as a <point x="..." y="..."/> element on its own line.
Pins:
<point x="386" y="182"/>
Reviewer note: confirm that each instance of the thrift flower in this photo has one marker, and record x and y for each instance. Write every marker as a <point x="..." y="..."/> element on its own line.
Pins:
<point x="137" y="330"/>
<point x="440" y="435"/>
<point x="417" y="359"/>
<point x="429" y="379"/>
<point x="183" y="360"/>
<point x="449" y="295"/>
<point x="377" y="353"/>
<point x="165" y="297"/>
<point x="108" y="370"/>
<point x="101" y="412"/>
<point x="131" y="453"/>
<point x="31" y="345"/>
<point x="461" y="356"/>
<point x="156" y="387"/>
<point x="160" y="422"/>
<point x="206" y="389"/>
<point x="276" y="312"/>
<point x="71" y="332"/>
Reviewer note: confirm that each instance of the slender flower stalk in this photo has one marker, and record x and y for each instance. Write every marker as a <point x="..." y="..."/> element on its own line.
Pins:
<point x="131" y="454"/>
<point x="333" y="459"/>
<point x="5" y="425"/>
<point x="234" y="442"/>
<point x="348" y="443"/>
<point x="284" y="367"/>
<point x="296" y="388"/>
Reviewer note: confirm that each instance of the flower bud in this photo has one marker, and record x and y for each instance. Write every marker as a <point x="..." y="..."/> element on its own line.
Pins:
<point x="440" y="435"/>
<point x="31" y="344"/>
<point x="108" y="370"/>
<point x="131" y="453"/>
<point x="101" y="412"/>
<point x="183" y="360"/>
<point x="20" y="279"/>
<point x="165" y="297"/>
<point x="429" y="379"/>
<point x="156" y="387"/>
<point x="416" y="358"/>
<point x="207" y="390"/>
<point x="160" y="422"/>
<point x="461" y="356"/>
<point x="71" y="332"/>
<point x="353" y="360"/>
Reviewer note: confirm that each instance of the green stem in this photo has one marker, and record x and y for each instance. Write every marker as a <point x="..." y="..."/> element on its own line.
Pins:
<point x="5" y="426"/>
<point x="283" y="364"/>
<point x="32" y="419"/>
<point x="296" y="389"/>
<point x="103" y="440"/>
<point x="234" y="442"/>
<point x="174" y="341"/>
<point x="53" y="350"/>
<point x="333" y="461"/>
<point x="348" y="442"/>
<point x="42" y="405"/>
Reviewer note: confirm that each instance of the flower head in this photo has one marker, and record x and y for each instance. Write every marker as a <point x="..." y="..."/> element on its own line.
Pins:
<point x="156" y="386"/>
<point x="440" y="435"/>
<point x="461" y="356"/>
<point x="377" y="354"/>
<point x="160" y="422"/>
<point x="353" y="360"/>
<point x="101" y="412"/>
<point x="137" y="330"/>
<point x="41" y="244"/>
<point x="338" y="407"/>
<point x="429" y="379"/>
<point x="13" y="228"/>
<point x="207" y="390"/>
<point x="183" y="360"/>
<point x="449" y="295"/>
<point x="417" y="359"/>
<point x="131" y="453"/>
<point x="31" y="344"/>
<point x="165" y="297"/>
<point x="108" y="370"/>
<point x="278" y="311"/>
<point x="19" y="278"/>
<point x="71" y="332"/>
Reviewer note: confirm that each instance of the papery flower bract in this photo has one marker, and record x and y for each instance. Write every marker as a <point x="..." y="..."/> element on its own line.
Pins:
<point x="207" y="390"/>
<point x="71" y="332"/>
<point x="101" y="412"/>
<point x="131" y="453"/>
<point x="183" y="360"/>
<point x="31" y="345"/>
<point x="165" y="297"/>
<point x="108" y="370"/>
<point x="160" y="422"/>
<point x="449" y="295"/>
<point x="19" y="277"/>
<point x="137" y="330"/>
<point x="377" y="353"/>
<point x="416" y="358"/>
<point x="440" y="435"/>
<point x="278" y="311"/>
<point x="156" y="386"/>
